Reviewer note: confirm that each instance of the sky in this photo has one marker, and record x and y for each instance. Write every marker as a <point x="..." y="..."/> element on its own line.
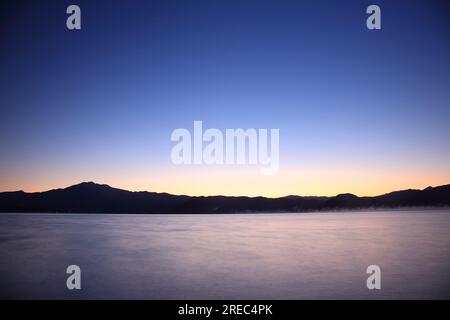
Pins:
<point x="360" y="111"/>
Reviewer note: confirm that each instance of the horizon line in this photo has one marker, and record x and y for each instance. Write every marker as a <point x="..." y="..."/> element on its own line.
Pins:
<point x="220" y="195"/>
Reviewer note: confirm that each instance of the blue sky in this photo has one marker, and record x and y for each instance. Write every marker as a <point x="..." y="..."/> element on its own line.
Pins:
<point x="101" y="103"/>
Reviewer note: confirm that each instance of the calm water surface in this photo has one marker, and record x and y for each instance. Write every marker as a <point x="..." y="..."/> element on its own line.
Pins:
<point x="240" y="256"/>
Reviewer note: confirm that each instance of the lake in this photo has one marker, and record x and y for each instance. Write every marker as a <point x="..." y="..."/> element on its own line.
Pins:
<point x="229" y="256"/>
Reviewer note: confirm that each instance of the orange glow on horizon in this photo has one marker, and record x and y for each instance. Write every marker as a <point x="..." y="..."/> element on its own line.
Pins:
<point x="242" y="181"/>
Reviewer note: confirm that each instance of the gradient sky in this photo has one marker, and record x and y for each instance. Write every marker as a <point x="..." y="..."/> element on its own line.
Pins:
<point x="359" y="111"/>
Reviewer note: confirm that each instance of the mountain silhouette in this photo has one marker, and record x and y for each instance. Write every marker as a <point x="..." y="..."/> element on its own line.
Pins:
<point x="90" y="197"/>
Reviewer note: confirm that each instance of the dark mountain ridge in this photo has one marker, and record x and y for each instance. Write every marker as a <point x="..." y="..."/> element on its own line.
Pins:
<point x="89" y="197"/>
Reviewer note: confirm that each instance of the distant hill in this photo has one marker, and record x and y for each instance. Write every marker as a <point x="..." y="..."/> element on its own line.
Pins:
<point x="89" y="197"/>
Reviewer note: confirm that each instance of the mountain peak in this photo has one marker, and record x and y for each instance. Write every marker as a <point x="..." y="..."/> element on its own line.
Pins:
<point x="346" y="196"/>
<point x="89" y="185"/>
